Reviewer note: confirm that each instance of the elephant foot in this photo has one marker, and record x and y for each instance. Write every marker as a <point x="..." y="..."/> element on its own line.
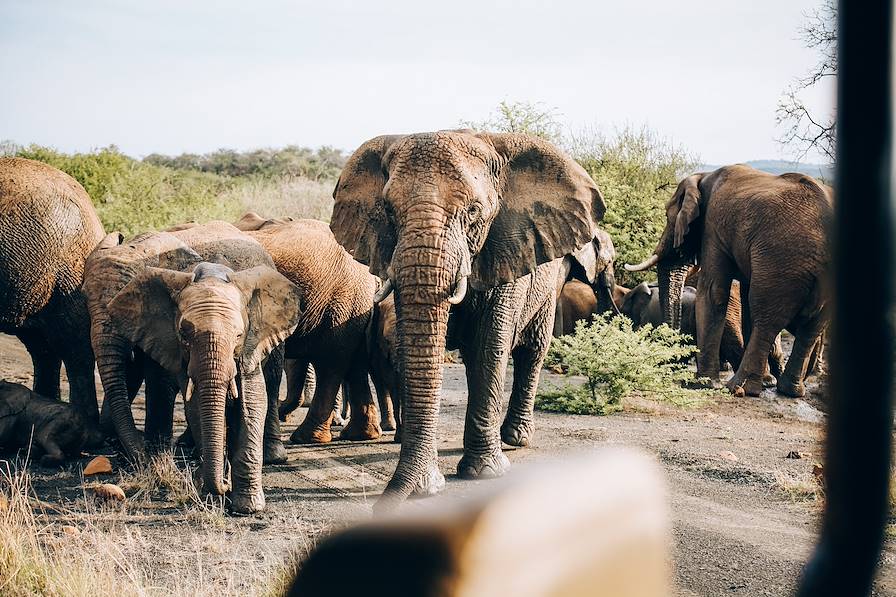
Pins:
<point x="360" y="429"/>
<point x="725" y="366"/>
<point x="387" y="424"/>
<point x="791" y="387"/>
<point x="704" y="383"/>
<point x="397" y="437"/>
<point x="309" y="434"/>
<point x="246" y="505"/>
<point x="488" y="466"/>
<point x="744" y="387"/>
<point x="338" y="420"/>
<point x="431" y="482"/>
<point x="274" y="452"/>
<point x="769" y="381"/>
<point x="516" y="432"/>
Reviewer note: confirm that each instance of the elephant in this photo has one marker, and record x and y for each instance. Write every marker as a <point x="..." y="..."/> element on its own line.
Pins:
<point x="331" y="334"/>
<point x="769" y="233"/>
<point x="48" y="227"/>
<point x="477" y="224"/>
<point x="207" y="308"/>
<point x="590" y="292"/>
<point x="54" y="429"/>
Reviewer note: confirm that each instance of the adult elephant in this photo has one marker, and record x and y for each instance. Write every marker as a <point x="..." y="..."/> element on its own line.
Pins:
<point x="590" y="286"/>
<point x="206" y="328"/>
<point x="332" y="333"/>
<point x="769" y="233"/>
<point x="438" y="214"/>
<point x="48" y="227"/>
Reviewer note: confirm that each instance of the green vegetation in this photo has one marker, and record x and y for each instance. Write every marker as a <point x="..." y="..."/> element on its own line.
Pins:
<point x="133" y="196"/>
<point x="618" y="361"/>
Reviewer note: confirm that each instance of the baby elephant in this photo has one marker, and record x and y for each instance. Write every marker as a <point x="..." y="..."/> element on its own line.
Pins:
<point x="53" y="428"/>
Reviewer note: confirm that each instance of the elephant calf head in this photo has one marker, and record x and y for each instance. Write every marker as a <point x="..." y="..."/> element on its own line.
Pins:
<point x="205" y="327"/>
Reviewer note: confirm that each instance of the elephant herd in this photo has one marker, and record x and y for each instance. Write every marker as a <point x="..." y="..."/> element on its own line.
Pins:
<point x="481" y="242"/>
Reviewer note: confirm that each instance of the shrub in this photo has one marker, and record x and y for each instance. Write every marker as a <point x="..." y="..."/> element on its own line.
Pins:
<point x="618" y="361"/>
<point x="133" y="196"/>
<point x="521" y="117"/>
<point x="637" y="172"/>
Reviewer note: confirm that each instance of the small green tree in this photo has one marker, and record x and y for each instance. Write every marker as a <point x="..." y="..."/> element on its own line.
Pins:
<point x="637" y="172"/>
<point x="522" y="117"/>
<point x="618" y="361"/>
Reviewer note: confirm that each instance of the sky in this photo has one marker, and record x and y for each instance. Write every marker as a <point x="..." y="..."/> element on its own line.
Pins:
<point x="172" y="76"/>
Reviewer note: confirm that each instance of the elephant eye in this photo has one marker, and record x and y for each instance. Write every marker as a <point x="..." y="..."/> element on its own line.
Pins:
<point x="474" y="211"/>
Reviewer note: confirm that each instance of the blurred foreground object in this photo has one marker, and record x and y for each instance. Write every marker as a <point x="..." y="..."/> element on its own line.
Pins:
<point x="860" y="426"/>
<point x="593" y="525"/>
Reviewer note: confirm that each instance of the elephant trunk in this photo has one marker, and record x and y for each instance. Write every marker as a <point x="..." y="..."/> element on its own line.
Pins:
<point x="212" y="372"/>
<point x="671" y="282"/>
<point x="603" y="289"/>
<point x="427" y="272"/>
<point x="112" y="355"/>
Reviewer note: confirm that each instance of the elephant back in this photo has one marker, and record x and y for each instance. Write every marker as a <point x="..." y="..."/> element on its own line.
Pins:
<point x="48" y="227"/>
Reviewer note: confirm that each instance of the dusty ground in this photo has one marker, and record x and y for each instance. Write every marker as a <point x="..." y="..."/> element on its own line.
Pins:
<point x="737" y="527"/>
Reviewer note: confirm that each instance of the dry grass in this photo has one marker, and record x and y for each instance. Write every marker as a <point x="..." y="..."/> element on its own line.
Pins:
<point x="94" y="550"/>
<point x="278" y="197"/>
<point x="799" y="487"/>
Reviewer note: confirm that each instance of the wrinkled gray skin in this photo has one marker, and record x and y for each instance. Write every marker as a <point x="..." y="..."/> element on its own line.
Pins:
<point x="771" y="234"/>
<point x="479" y="219"/>
<point x="200" y="327"/>
<point x="54" y="430"/>
<point x="48" y="227"/>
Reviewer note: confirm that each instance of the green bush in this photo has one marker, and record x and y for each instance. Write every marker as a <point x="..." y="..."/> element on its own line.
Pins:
<point x="133" y="196"/>
<point x="637" y="172"/>
<point x="618" y="361"/>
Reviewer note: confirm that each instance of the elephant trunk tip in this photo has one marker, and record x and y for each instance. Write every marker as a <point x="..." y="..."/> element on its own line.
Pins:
<point x="644" y="265"/>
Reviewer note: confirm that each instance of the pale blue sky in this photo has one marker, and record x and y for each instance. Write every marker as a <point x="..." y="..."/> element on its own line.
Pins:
<point x="174" y="76"/>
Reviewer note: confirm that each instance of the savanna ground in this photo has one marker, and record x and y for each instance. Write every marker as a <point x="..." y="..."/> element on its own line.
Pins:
<point x="743" y="524"/>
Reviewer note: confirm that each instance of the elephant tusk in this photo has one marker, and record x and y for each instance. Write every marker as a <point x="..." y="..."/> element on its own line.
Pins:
<point x="460" y="291"/>
<point x="188" y="393"/>
<point x="234" y="391"/>
<point x="383" y="292"/>
<point x="649" y="263"/>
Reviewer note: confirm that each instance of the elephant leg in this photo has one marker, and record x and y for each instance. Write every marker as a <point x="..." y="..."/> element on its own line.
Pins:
<point x="298" y="374"/>
<point x="805" y="338"/>
<point x="340" y="407"/>
<point x="364" y="423"/>
<point x="46" y="363"/>
<point x="486" y="367"/>
<point x="816" y="358"/>
<point x="161" y="393"/>
<point x="711" y="307"/>
<point x="247" y="453"/>
<point x="274" y="451"/>
<point x="384" y="399"/>
<point x="315" y="429"/>
<point x="528" y="358"/>
<point x="769" y="377"/>
<point x="776" y="358"/>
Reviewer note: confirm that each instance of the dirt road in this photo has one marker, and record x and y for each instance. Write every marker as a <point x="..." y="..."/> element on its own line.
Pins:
<point x="742" y="525"/>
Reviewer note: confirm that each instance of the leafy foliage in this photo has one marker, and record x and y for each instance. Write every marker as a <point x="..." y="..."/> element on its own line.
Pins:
<point x="618" y="361"/>
<point x="637" y="172"/>
<point x="522" y="117"/>
<point x="133" y="196"/>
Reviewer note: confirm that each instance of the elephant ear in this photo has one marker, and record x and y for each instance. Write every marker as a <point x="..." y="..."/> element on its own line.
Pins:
<point x="145" y="311"/>
<point x="687" y="197"/>
<point x="274" y="307"/>
<point x="549" y="207"/>
<point x="593" y="258"/>
<point x="359" y="222"/>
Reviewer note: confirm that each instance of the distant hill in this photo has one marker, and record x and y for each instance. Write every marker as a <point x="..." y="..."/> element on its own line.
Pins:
<point x="823" y="171"/>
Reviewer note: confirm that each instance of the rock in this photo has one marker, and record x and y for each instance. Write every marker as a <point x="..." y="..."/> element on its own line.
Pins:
<point x="795" y="455"/>
<point x="728" y="455"/>
<point x="108" y="492"/>
<point x="98" y="466"/>
<point x="70" y="530"/>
